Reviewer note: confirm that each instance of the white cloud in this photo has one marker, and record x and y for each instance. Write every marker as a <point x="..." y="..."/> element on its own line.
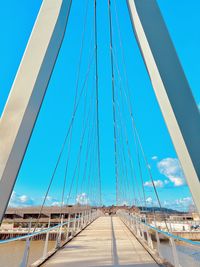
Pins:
<point x="124" y="203"/>
<point x="184" y="201"/>
<point x="49" y="198"/>
<point x="154" y="158"/>
<point x="183" y="204"/>
<point x="170" y="167"/>
<point x="149" y="200"/>
<point x="157" y="183"/>
<point x="56" y="203"/>
<point x="52" y="201"/>
<point x="18" y="200"/>
<point x="82" y="199"/>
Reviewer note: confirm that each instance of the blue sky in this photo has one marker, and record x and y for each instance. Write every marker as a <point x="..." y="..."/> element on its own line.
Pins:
<point x="16" y="22"/>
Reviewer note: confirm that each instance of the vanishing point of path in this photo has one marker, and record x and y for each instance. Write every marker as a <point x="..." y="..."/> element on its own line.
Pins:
<point x="106" y="242"/>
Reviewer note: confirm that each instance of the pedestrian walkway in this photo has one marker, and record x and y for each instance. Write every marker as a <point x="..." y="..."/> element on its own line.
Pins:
<point x="106" y="242"/>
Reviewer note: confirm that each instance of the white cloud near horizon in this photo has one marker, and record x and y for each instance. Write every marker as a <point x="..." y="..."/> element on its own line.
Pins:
<point x="52" y="201"/>
<point x="82" y="199"/>
<point x="184" y="204"/>
<point x="20" y="200"/>
<point x="157" y="183"/>
<point x="171" y="169"/>
<point x="181" y="204"/>
<point x="149" y="200"/>
<point x="154" y="157"/>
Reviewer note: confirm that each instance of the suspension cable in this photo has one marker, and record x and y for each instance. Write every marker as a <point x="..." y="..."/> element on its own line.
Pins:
<point x="97" y="97"/>
<point x="133" y="174"/>
<point x="88" y="147"/>
<point x="90" y="171"/>
<point x="75" y="100"/>
<point x="88" y="139"/>
<point x="80" y="150"/>
<point x="128" y="100"/>
<point x="65" y="140"/>
<point x="113" y="99"/>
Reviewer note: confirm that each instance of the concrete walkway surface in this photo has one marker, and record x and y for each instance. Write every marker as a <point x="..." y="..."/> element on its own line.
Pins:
<point x="106" y="242"/>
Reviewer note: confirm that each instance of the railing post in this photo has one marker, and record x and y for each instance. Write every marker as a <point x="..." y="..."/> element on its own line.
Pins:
<point x="68" y="227"/>
<point x="79" y="220"/>
<point x="93" y="215"/>
<point x="74" y="230"/>
<point x="135" y="224"/>
<point x="24" y="262"/>
<point x="131" y="219"/>
<point x="83" y="214"/>
<point x="46" y="241"/>
<point x="58" y="242"/>
<point x="128" y="220"/>
<point x="170" y="226"/>
<point x="158" y="245"/>
<point x="174" y="252"/>
<point x="137" y="227"/>
<point x="142" y="230"/>
<point x="87" y="217"/>
<point x="155" y="222"/>
<point x="149" y="240"/>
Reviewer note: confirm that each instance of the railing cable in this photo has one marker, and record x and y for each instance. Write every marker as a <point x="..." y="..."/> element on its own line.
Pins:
<point x="128" y="100"/>
<point x="113" y="98"/>
<point x="65" y="140"/>
<point x="75" y="100"/>
<point x="97" y="98"/>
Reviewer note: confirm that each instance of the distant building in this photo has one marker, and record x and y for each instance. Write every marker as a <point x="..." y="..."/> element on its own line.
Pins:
<point x="196" y="216"/>
<point x="23" y="217"/>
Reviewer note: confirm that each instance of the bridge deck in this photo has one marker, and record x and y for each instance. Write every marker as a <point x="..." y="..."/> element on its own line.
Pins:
<point x="106" y="242"/>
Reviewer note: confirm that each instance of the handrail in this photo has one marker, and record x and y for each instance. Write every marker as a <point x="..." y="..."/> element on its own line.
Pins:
<point x="36" y="233"/>
<point x="196" y="243"/>
<point x="142" y="230"/>
<point x="78" y="223"/>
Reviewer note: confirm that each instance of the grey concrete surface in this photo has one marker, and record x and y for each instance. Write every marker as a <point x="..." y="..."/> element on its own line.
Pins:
<point x="106" y="242"/>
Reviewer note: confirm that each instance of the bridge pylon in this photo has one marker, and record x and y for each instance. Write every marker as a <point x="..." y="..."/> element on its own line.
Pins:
<point x="171" y="88"/>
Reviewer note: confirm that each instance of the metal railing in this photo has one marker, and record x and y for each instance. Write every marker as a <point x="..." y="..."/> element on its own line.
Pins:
<point x="62" y="232"/>
<point x="163" y="246"/>
<point x="177" y="226"/>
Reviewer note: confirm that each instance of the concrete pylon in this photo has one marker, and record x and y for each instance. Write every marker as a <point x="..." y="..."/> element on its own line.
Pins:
<point x="171" y="87"/>
<point x="28" y="90"/>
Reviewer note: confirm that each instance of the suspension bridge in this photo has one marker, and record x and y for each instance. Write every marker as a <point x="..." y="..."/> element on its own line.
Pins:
<point x="89" y="236"/>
